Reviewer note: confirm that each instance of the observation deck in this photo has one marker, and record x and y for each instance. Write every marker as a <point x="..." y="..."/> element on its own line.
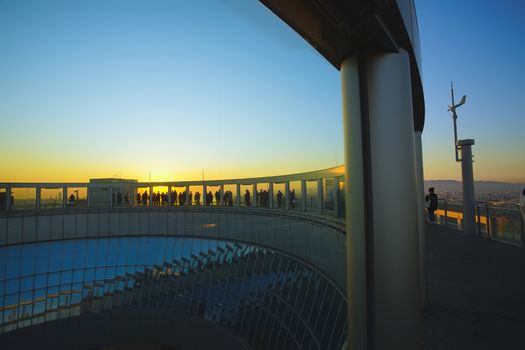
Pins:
<point x="264" y="271"/>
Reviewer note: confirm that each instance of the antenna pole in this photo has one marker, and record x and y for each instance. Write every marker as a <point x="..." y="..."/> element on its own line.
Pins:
<point x="454" y="118"/>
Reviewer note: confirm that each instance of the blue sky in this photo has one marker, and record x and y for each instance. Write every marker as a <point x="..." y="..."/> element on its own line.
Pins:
<point x="105" y="87"/>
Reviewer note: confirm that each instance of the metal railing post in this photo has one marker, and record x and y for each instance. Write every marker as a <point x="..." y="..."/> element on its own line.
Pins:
<point x="479" y="218"/>
<point x="37" y="197"/>
<point x="64" y="197"/>
<point x="304" y="195"/>
<point x="320" y="194"/>
<point x="446" y="213"/>
<point x="169" y="196"/>
<point x="254" y="196"/>
<point x="336" y="197"/>
<point x="8" y="198"/>
<point x="270" y="195"/>
<point x="287" y="195"/>
<point x="489" y="229"/>
<point x="522" y="235"/>
<point x="238" y="197"/>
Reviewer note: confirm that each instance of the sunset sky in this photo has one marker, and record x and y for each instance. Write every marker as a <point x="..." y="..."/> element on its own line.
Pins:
<point x="105" y="88"/>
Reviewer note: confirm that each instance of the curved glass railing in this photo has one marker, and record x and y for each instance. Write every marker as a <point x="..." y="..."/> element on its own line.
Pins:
<point x="494" y="220"/>
<point x="263" y="296"/>
<point x="317" y="192"/>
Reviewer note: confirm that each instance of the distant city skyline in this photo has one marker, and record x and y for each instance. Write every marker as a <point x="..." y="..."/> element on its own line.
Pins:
<point x="102" y="88"/>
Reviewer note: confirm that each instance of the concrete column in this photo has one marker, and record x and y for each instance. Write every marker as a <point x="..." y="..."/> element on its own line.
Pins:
<point x="381" y="203"/>
<point x="221" y="195"/>
<point x="151" y="196"/>
<point x="254" y="195"/>
<point x="169" y="196"/>
<point x="357" y="229"/>
<point x="467" y="174"/>
<point x="8" y="198"/>
<point x="320" y="194"/>
<point x="187" y="195"/>
<point x="37" y="197"/>
<point x="304" y="195"/>
<point x="238" y="197"/>
<point x="203" y="196"/>
<point x="396" y="304"/>
<point x="270" y="195"/>
<point x="420" y="215"/>
<point x="287" y="195"/>
<point x="64" y="197"/>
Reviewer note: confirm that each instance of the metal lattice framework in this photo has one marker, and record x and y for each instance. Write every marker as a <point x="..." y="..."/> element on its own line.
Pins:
<point x="265" y="297"/>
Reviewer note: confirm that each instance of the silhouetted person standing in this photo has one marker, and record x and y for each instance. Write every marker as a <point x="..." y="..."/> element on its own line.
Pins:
<point x="247" y="200"/>
<point x="432" y="200"/>
<point x="145" y="198"/>
<point x="279" y="199"/>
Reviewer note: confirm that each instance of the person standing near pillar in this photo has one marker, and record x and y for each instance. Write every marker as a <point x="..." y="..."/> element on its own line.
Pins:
<point x="432" y="200"/>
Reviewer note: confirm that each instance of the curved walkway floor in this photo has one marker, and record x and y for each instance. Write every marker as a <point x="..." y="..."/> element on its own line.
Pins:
<point x="476" y="292"/>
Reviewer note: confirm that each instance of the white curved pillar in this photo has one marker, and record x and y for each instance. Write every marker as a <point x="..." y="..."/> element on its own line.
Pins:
<point x="382" y="212"/>
<point x="397" y="314"/>
<point x="418" y="147"/>
<point x="356" y="251"/>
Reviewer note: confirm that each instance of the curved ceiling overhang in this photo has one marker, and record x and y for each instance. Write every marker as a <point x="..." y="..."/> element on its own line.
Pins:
<point x="340" y="28"/>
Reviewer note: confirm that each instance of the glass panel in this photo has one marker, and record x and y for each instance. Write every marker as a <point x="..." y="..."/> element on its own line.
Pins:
<point x="196" y="197"/>
<point x="329" y="194"/>
<point x="51" y="198"/>
<point x="262" y="195"/>
<point x="312" y="198"/>
<point x="341" y="197"/>
<point x="295" y="195"/>
<point x="141" y="195"/>
<point x="246" y="195"/>
<point x="28" y="260"/>
<point x="178" y="195"/>
<point x="213" y="197"/>
<point x="23" y="198"/>
<point x="3" y="198"/>
<point x="230" y="195"/>
<point x="160" y="196"/>
<point x="278" y="195"/>
<point x="77" y="197"/>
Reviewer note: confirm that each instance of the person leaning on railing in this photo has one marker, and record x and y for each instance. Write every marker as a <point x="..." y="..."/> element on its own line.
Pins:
<point x="432" y="199"/>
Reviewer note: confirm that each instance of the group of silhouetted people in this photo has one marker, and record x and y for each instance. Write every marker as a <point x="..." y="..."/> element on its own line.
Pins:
<point x="182" y="198"/>
<point x="116" y="199"/>
<point x="162" y="199"/>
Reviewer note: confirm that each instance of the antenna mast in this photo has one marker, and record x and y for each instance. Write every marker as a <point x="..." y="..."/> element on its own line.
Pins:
<point x="454" y="118"/>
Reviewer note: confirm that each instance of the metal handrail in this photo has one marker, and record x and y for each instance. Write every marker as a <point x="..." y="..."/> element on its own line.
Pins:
<point x="487" y="215"/>
<point x="103" y="192"/>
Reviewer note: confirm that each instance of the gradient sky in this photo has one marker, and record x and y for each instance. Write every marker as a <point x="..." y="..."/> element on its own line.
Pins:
<point x="104" y="88"/>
